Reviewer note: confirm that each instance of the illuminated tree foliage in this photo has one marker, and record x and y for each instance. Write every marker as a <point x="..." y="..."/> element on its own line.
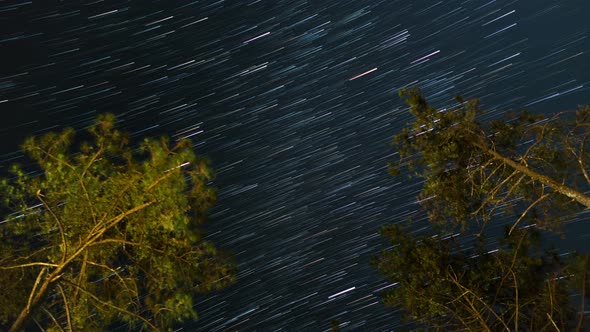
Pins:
<point x="106" y="234"/>
<point x="518" y="287"/>
<point x="523" y="168"/>
<point x="523" y="162"/>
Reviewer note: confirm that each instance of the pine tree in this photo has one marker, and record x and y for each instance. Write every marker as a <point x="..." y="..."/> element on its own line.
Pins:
<point x="107" y="234"/>
<point x="524" y="168"/>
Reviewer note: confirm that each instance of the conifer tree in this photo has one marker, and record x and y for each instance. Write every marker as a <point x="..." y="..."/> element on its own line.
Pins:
<point x="528" y="169"/>
<point x="472" y="170"/>
<point x="106" y="234"/>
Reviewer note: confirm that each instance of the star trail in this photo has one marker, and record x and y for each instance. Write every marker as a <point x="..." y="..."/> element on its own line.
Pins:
<point x="295" y="102"/>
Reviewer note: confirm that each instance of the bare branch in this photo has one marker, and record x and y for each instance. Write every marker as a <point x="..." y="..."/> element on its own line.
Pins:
<point x="542" y="197"/>
<point x="516" y="307"/>
<point x="137" y="244"/>
<point x="81" y="275"/>
<point x="115" y="273"/>
<point x="66" y="306"/>
<point x="553" y="322"/>
<point x="48" y="154"/>
<point x="155" y="183"/>
<point x="112" y="306"/>
<point x="53" y="319"/>
<point x="581" y="156"/>
<point x="511" y="268"/>
<point x="498" y="202"/>
<point x="497" y="168"/>
<point x="27" y="308"/>
<point x="539" y="137"/>
<point x="94" y="236"/>
<point x="27" y="257"/>
<point x="81" y="180"/>
<point x="572" y="193"/>
<point x="466" y="291"/>
<point x="60" y="226"/>
<point x="123" y="191"/>
<point x="92" y="160"/>
<point x="39" y="325"/>
<point x="87" y="197"/>
<point x="11" y="267"/>
<point x="551" y="288"/>
<point x="35" y="298"/>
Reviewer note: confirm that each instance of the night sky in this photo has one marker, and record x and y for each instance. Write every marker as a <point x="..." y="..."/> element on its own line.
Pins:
<point x="295" y="102"/>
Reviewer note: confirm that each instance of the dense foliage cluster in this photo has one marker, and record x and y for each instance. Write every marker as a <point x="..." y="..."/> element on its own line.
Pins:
<point x="524" y="168"/>
<point x="106" y="234"/>
<point x="518" y="287"/>
<point x="472" y="171"/>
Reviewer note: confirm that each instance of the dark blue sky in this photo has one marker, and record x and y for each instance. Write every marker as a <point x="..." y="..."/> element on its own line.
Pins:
<point x="295" y="102"/>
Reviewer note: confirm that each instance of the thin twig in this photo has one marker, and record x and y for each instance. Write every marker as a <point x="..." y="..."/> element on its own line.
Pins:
<point x="516" y="300"/>
<point x="526" y="211"/>
<point x="28" y="265"/>
<point x="37" y="281"/>
<point x="122" y="310"/>
<point x="67" y="307"/>
<point x="553" y="322"/>
<point x="53" y="319"/>
<point x="60" y="226"/>
<point x="581" y="157"/>
<point x="54" y="157"/>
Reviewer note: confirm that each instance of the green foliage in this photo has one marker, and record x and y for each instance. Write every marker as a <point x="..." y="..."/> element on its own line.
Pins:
<point x="111" y="232"/>
<point x="521" y="286"/>
<point x="473" y="171"/>
<point x="529" y="168"/>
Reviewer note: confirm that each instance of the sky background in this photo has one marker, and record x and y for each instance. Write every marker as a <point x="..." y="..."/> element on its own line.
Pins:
<point x="295" y="102"/>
